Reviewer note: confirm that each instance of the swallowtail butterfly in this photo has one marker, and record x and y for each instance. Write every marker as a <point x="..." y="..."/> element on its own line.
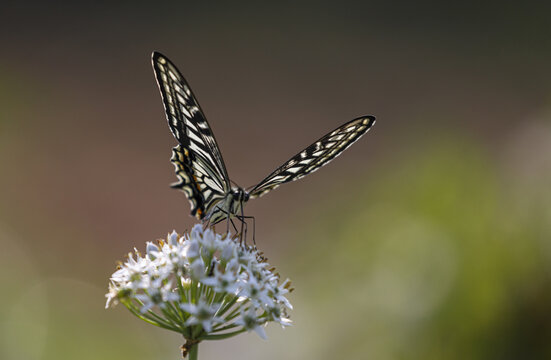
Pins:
<point x="199" y="165"/>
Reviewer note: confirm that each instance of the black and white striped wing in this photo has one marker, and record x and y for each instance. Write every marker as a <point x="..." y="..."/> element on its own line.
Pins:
<point x="316" y="155"/>
<point x="198" y="162"/>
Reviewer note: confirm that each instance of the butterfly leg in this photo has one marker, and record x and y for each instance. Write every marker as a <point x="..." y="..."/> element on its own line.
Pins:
<point x="254" y="227"/>
<point x="229" y="220"/>
<point x="243" y="223"/>
<point x="207" y="224"/>
<point x="234" y="227"/>
<point x="243" y="218"/>
<point x="244" y="227"/>
<point x="228" y="223"/>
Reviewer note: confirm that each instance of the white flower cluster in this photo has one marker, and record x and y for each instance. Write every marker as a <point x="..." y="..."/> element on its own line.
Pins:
<point x="201" y="285"/>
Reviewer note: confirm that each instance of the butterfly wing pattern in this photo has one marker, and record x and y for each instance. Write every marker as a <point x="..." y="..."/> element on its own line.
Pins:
<point x="316" y="155"/>
<point x="198" y="162"/>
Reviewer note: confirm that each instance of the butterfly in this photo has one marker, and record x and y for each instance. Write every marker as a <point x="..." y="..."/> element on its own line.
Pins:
<point x="199" y="166"/>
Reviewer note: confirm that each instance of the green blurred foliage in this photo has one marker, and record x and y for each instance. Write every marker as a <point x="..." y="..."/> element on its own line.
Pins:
<point x="432" y="260"/>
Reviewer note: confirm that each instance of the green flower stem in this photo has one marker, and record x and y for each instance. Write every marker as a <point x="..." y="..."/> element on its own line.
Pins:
<point x="226" y="307"/>
<point x="233" y="314"/>
<point x="224" y="328"/>
<point x="152" y="322"/>
<point x="222" y="336"/>
<point x="219" y="297"/>
<point x="181" y="289"/>
<point x="171" y="319"/>
<point x="193" y="352"/>
<point x="193" y="297"/>
<point x="180" y="316"/>
<point x="152" y="316"/>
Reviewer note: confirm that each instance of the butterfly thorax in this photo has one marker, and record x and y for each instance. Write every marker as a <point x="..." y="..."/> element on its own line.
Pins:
<point x="230" y="206"/>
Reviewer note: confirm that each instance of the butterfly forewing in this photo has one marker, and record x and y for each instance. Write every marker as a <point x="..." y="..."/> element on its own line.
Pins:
<point x="199" y="165"/>
<point x="316" y="155"/>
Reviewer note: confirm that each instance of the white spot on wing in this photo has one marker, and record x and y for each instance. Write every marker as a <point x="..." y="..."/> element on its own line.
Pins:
<point x="192" y="135"/>
<point x="190" y="124"/>
<point x="294" y="170"/>
<point x="186" y="113"/>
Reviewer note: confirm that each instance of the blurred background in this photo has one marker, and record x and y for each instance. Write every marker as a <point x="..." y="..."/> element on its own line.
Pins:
<point x="428" y="239"/>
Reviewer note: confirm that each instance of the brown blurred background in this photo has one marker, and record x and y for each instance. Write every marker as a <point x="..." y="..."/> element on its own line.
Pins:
<point x="428" y="239"/>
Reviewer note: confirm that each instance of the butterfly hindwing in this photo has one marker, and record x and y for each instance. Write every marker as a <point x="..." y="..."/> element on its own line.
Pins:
<point x="198" y="161"/>
<point x="199" y="165"/>
<point x="194" y="175"/>
<point x="316" y="155"/>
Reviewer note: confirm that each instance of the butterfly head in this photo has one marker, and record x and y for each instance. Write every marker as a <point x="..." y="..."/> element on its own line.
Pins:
<point x="240" y="195"/>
